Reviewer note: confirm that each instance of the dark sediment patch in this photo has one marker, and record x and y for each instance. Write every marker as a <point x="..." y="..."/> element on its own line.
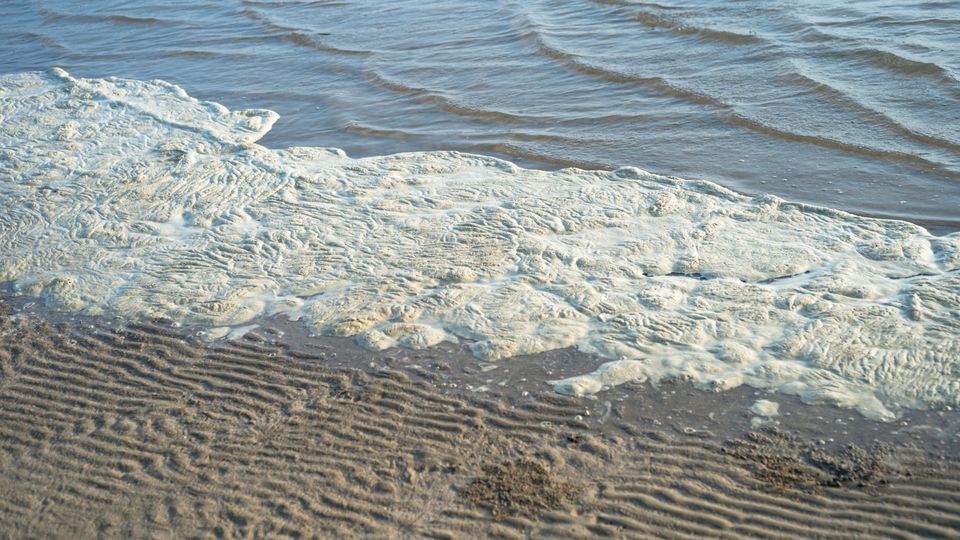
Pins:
<point x="785" y="462"/>
<point x="521" y="486"/>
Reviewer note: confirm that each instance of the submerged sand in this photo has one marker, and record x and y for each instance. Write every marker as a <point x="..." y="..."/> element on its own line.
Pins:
<point x="144" y="431"/>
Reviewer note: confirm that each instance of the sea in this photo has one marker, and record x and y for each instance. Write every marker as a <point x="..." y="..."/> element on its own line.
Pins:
<point x="851" y="105"/>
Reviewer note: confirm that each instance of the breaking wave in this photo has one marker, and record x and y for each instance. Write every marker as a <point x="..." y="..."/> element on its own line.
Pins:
<point x="132" y="199"/>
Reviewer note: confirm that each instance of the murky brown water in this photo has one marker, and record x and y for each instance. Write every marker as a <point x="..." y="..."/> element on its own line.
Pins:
<point x="855" y="108"/>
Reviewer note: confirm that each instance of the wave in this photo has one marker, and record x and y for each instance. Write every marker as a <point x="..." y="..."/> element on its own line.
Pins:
<point x="441" y="102"/>
<point x="297" y="37"/>
<point x="877" y="117"/>
<point x="40" y="38"/>
<point x="195" y="53"/>
<point x="126" y="19"/>
<point x="846" y="48"/>
<point x="732" y="114"/>
<point x="132" y="199"/>
<point x="907" y="66"/>
<point x="896" y="63"/>
<point x="679" y="27"/>
<point x="887" y="20"/>
<point x="52" y="15"/>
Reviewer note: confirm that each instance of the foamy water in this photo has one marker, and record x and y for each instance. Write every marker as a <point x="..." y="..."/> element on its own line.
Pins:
<point x="854" y="106"/>
<point x="131" y="199"/>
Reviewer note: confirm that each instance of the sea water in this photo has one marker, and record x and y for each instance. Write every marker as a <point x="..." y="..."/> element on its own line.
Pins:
<point x="851" y="105"/>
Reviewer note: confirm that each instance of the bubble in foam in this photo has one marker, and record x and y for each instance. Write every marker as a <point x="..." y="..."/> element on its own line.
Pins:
<point x="132" y="199"/>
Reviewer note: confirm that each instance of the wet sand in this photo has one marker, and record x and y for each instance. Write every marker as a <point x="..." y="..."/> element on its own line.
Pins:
<point x="112" y="431"/>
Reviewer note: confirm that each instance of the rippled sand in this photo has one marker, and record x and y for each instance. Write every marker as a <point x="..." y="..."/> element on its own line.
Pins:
<point x="139" y="431"/>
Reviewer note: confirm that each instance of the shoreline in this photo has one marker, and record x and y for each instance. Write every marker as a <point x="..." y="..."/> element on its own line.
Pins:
<point x="413" y="249"/>
<point x="675" y="404"/>
<point x="142" y="430"/>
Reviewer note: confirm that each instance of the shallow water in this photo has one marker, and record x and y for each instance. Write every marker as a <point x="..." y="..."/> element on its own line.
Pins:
<point x="856" y="108"/>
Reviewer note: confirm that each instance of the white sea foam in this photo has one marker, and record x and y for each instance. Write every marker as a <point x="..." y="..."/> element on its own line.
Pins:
<point x="765" y="408"/>
<point x="132" y="199"/>
<point x="764" y="412"/>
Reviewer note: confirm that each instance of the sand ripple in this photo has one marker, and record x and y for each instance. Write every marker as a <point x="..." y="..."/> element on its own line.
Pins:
<point x="139" y="432"/>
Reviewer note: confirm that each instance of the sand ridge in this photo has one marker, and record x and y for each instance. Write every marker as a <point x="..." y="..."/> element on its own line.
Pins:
<point x="140" y="431"/>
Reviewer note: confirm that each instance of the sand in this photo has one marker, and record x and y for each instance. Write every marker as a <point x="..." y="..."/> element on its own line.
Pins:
<point x="143" y="431"/>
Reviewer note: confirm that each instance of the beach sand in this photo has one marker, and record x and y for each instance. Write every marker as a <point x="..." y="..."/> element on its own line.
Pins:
<point x="143" y="431"/>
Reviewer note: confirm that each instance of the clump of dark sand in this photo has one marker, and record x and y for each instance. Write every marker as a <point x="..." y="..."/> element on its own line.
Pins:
<point x="523" y="486"/>
<point x="782" y="461"/>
